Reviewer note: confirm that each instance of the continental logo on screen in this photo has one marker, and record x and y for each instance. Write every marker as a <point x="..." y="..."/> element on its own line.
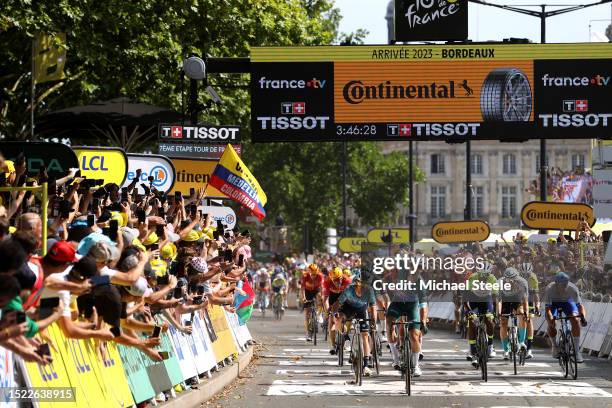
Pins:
<point x="355" y="92"/>
<point x="433" y="91"/>
<point x="538" y="214"/>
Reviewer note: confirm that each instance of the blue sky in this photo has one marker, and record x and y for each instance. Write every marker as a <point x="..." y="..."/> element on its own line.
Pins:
<point x="488" y="23"/>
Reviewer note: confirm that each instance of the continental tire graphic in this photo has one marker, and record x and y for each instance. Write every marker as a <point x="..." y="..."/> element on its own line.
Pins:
<point x="506" y="96"/>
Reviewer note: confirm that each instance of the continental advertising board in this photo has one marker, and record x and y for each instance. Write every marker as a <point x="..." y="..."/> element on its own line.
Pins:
<point x="431" y="92"/>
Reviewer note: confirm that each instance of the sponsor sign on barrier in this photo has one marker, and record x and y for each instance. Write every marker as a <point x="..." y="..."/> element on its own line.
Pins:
<point x="224" y="345"/>
<point x="152" y="165"/>
<point x="223" y="214"/>
<point x="398" y="235"/>
<point x="351" y="244"/>
<point x="460" y="231"/>
<point x="196" y="174"/>
<point x="107" y="163"/>
<point x="556" y="216"/>
<point x="183" y="353"/>
<point x="57" y="157"/>
<point x="204" y="351"/>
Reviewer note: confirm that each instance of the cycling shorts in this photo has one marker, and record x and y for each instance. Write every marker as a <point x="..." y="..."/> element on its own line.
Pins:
<point x="351" y="312"/>
<point x="310" y="294"/>
<point x="481" y="307"/>
<point x="569" y="308"/>
<point x="277" y="289"/>
<point x="333" y="298"/>
<point x="408" y="309"/>
<point x="509" y="307"/>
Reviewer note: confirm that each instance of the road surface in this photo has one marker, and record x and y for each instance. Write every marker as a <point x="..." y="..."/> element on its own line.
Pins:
<point x="291" y="373"/>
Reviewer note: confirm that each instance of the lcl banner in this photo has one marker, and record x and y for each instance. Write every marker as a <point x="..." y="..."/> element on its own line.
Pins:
<point x="508" y="92"/>
<point x="157" y="171"/>
<point x="107" y="163"/>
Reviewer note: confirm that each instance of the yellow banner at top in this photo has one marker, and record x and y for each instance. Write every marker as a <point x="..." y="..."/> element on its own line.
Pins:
<point x="479" y="52"/>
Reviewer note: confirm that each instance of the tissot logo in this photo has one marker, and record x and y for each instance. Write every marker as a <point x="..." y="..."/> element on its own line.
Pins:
<point x="356" y="92"/>
<point x="294" y="122"/>
<point x="432" y="129"/>
<point x="199" y="132"/>
<point x="314" y="83"/>
<point x="293" y="108"/>
<point x="575" y="119"/>
<point x="596" y="80"/>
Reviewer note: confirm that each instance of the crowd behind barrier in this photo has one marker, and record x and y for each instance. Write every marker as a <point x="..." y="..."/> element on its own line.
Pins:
<point x="127" y="298"/>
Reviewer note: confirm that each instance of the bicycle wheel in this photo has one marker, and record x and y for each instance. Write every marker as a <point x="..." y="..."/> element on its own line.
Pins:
<point x="407" y="354"/>
<point x="313" y="325"/>
<point x="482" y="344"/>
<point x="356" y="357"/>
<point x="572" y="363"/>
<point x="375" y="350"/>
<point x="563" y="357"/>
<point x="340" y="347"/>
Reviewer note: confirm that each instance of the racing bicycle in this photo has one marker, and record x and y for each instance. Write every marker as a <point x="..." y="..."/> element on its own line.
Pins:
<point x="566" y="347"/>
<point x="482" y="346"/>
<point x="515" y="350"/>
<point x="406" y="353"/>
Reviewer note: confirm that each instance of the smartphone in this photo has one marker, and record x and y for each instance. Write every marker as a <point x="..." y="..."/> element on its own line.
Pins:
<point x="193" y="209"/>
<point x="203" y="216"/>
<point x="191" y="192"/>
<point x="220" y="226"/>
<point x="228" y="255"/>
<point x="146" y="188"/>
<point x="164" y="355"/>
<point x="20" y="317"/>
<point x="241" y="260"/>
<point x="44" y="350"/>
<point x="159" y="230"/>
<point x="151" y="179"/>
<point x="178" y="196"/>
<point x="124" y="194"/>
<point x="216" y="235"/>
<point x="90" y="220"/>
<point x="200" y="290"/>
<point x="161" y="212"/>
<point x="142" y="216"/>
<point x="116" y="331"/>
<point x="156" y="331"/>
<point x="197" y="300"/>
<point x="100" y="193"/>
<point x="113" y="229"/>
<point x="163" y="280"/>
<point x="187" y="323"/>
<point x="100" y="280"/>
<point x="49" y="303"/>
<point x="154" y="247"/>
<point x="178" y="293"/>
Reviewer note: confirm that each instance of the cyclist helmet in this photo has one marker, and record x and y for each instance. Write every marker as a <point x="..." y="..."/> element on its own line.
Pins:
<point x="526" y="268"/>
<point x="335" y="273"/>
<point x="487" y="268"/>
<point x="510" y="273"/>
<point x="313" y="268"/>
<point x="561" y="277"/>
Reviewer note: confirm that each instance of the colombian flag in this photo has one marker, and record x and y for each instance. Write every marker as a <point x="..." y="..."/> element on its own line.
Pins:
<point x="233" y="179"/>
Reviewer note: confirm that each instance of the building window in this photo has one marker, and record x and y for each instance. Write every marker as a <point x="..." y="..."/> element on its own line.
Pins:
<point x="577" y="161"/>
<point x="437" y="164"/>
<point x="509" y="164"/>
<point x="476" y="164"/>
<point x="509" y="199"/>
<point x="477" y="202"/>
<point x="438" y="201"/>
<point x="538" y="162"/>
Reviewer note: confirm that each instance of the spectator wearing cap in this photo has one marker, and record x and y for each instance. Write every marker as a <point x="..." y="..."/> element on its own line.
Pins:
<point x="106" y="256"/>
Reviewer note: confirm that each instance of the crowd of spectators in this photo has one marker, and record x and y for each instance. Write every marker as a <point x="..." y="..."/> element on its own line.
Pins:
<point x="113" y="260"/>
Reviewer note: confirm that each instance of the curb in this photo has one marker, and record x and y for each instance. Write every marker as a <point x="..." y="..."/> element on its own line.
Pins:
<point x="208" y="388"/>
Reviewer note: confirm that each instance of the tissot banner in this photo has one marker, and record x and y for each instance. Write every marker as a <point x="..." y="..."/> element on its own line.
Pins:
<point x="507" y="92"/>
<point x="431" y="20"/>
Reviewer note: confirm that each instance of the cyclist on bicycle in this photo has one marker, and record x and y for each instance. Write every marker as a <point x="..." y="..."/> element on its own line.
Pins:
<point x="405" y="304"/>
<point x="311" y="284"/>
<point x="513" y="295"/>
<point x="526" y="325"/>
<point x="357" y="301"/>
<point x="480" y="300"/>
<point x="262" y="285"/>
<point x="333" y="286"/>
<point x="564" y="295"/>
<point x="279" y="288"/>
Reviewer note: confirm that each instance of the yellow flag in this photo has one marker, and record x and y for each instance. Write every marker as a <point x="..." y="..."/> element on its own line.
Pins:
<point x="49" y="53"/>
